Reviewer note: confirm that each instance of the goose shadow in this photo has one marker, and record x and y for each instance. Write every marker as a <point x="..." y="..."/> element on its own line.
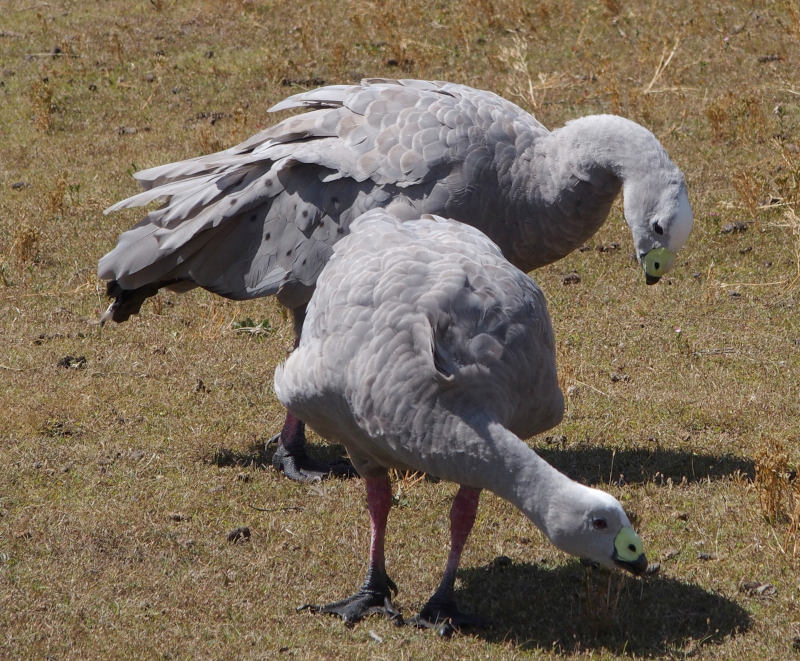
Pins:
<point x="598" y="465"/>
<point x="568" y="609"/>
<point x="589" y="465"/>
<point x="259" y="455"/>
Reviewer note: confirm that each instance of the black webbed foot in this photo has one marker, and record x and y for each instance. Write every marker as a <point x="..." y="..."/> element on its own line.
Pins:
<point x="375" y="596"/>
<point x="298" y="466"/>
<point x="444" y="616"/>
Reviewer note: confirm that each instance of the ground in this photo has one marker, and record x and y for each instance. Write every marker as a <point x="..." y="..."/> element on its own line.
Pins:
<point x="131" y="453"/>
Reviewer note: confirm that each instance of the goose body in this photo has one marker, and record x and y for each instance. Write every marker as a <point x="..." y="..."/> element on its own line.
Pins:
<point x="423" y="348"/>
<point x="262" y="218"/>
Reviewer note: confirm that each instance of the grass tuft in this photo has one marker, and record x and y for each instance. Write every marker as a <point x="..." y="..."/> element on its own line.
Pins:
<point x="778" y="490"/>
<point x="25" y="245"/>
<point x="41" y="97"/>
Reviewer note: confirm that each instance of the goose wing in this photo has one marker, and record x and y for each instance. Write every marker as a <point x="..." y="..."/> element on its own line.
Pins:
<point x="261" y="218"/>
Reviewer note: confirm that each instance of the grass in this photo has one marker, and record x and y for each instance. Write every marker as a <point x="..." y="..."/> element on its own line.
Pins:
<point x="131" y="452"/>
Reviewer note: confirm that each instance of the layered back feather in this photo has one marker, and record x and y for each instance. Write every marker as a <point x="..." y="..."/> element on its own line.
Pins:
<point x="416" y="329"/>
<point x="261" y="218"/>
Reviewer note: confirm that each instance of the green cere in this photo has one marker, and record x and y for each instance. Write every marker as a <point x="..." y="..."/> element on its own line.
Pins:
<point x="658" y="261"/>
<point x="628" y="545"/>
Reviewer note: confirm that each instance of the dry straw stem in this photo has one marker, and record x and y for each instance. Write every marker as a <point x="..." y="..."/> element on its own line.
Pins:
<point x="663" y="63"/>
<point x="522" y="85"/>
<point x="602" y="592"/>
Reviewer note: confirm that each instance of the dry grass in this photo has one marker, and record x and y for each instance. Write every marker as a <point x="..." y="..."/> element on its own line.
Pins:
<point x="779" y="492"/>
<point x="130" y="453"/>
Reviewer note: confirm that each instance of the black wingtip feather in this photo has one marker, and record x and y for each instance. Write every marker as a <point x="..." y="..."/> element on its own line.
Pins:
<point x="126" y="301"/>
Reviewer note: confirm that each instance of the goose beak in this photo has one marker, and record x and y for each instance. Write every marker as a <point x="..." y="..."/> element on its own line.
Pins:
<point x="628" y="552"/>
<point x="637" y="567"/>
<point x="657" y="262"/>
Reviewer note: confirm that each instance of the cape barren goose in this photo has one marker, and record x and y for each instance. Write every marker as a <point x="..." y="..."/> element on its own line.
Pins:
<point x="261" y="218"/>
<point x="424" y="349"/>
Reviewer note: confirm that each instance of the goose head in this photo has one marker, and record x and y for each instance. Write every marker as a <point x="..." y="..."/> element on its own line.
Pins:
<point x="592" y="525"/>
<point x="660" y="218"/>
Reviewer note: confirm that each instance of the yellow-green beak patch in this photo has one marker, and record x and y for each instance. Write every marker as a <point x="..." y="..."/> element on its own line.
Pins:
<point x="658" y="261"/>
<point x="629" y="551"/>
<point x="628" y="545"/>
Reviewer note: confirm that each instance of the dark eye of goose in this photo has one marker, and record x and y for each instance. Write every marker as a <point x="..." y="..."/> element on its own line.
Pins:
<point x="600" y="524"/>
<point x="657" y="228"/>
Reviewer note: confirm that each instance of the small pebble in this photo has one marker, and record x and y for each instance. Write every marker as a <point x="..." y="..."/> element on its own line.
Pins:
<point x="735" y="228"/>
<point x="239" y="534"/>
<point x="607" y="247"/>
<point x="446" y="630"/>
<point x="652" y="569"/>
<point x="758" y="589"/>
<point x="74" y="362"/>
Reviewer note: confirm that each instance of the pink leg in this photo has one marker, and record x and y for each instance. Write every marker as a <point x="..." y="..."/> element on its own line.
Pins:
<point x="462" y="518"/>
<point x="441" y="606"/>
<point x="374" y="596"/>
<point x="379" y="501"/>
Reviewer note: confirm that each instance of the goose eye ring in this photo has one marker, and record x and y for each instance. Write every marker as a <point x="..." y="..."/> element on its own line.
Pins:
<point x="599" y="524"/>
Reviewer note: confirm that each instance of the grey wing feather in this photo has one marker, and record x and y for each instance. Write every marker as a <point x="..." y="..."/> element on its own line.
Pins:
<point x="261" y="218"/>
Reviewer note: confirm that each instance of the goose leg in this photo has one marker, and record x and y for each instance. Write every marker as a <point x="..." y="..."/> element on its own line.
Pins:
<point x="291" y="457"/>
<point x="441" y="608"/>
<point x="374" y="596"/>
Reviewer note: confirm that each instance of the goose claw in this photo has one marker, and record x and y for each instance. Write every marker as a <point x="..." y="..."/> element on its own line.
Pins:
<point x="374" y="597"/>
<point x="447" y="619"/>
<point x="298" y="466"/>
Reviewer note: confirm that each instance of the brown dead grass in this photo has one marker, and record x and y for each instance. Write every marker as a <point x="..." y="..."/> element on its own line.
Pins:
<point x="114" y="513"/>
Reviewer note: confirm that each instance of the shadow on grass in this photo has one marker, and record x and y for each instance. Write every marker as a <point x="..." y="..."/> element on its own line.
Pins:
<point x="589" y="465"/>
<point x="563" y="609"/>
<point x="259" y="455"/>
<point x="598" y="465"/>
